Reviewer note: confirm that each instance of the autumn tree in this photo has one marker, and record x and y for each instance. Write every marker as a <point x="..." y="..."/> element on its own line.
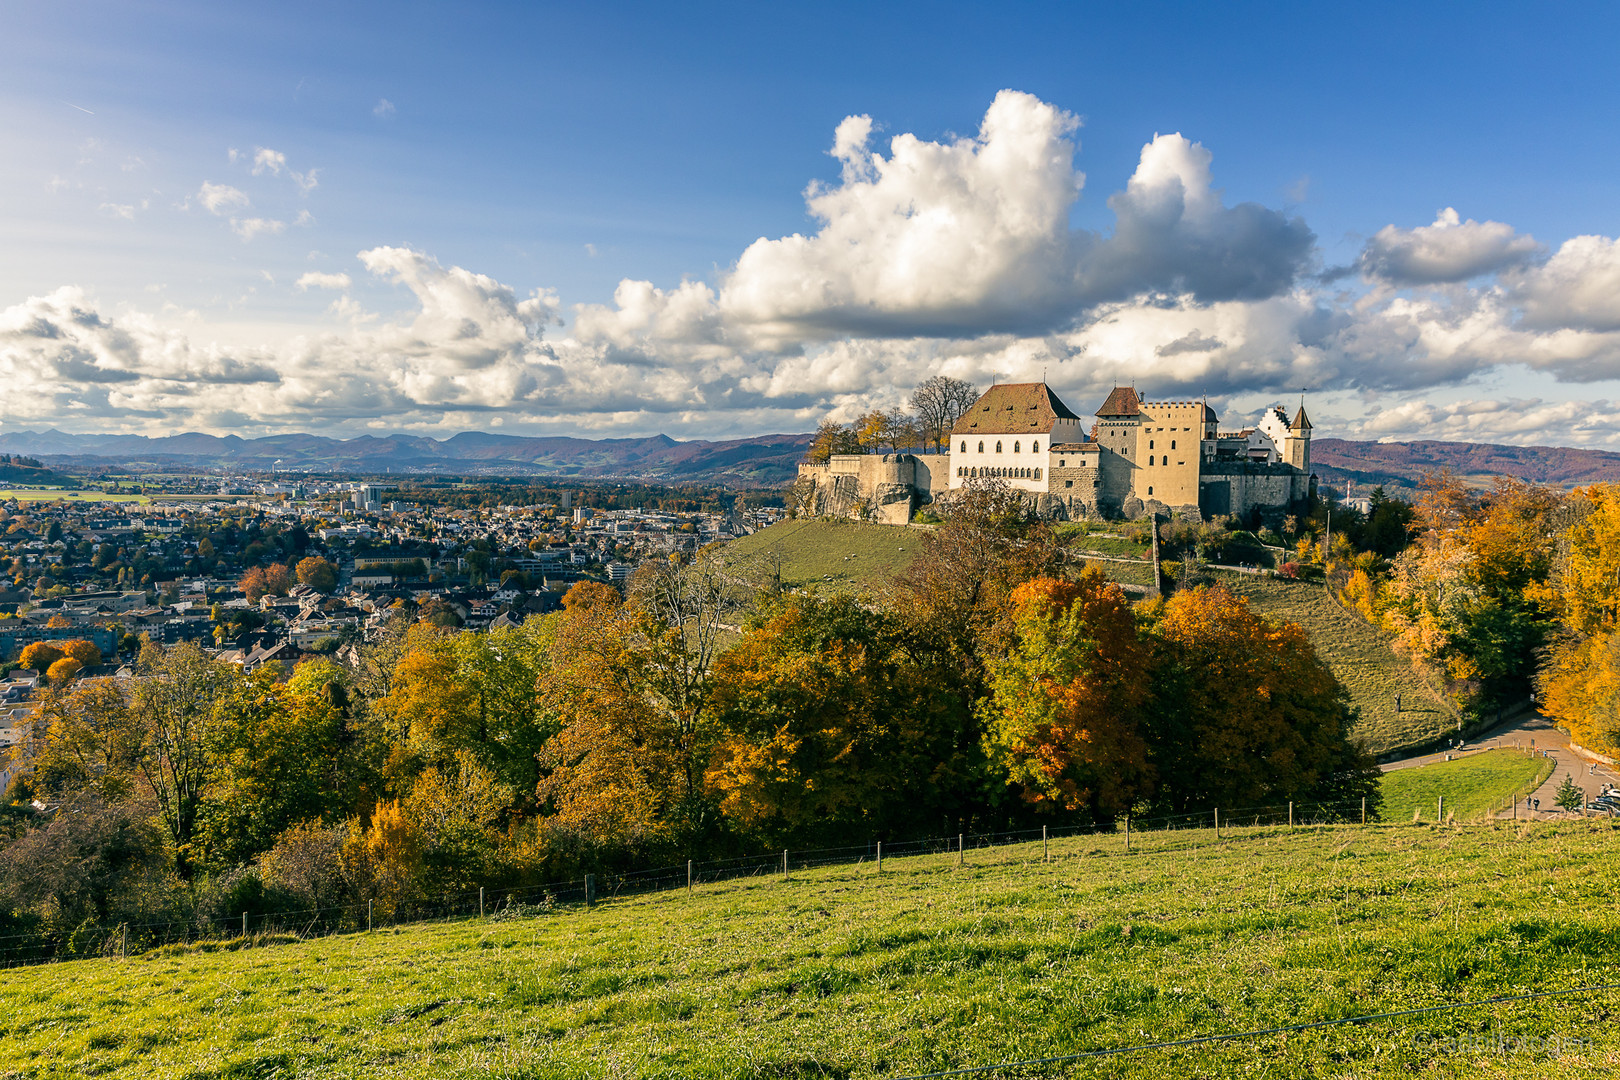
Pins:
<point x="1064" y="712"/>
<point x="85" y="652"/>
<point x="957" y="589"/>
<point x="40" y="655"/>
<point x="1580" y="681"/>
<point x="612" y="769"/>
<point x="81" y="740"/>
<point x="1244" y="712"/>
<point x="830" y="729"/>
<point x="831" y="438"/>
<point x="63" y="671"/>
<point x="317" y="573"/>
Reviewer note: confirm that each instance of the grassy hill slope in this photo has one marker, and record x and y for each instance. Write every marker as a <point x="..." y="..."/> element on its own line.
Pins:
<point x="1474" y="786"/>
<point x="836" y="556"/>
<point x="1361" y="659"/>
<point x="842" y="972"/>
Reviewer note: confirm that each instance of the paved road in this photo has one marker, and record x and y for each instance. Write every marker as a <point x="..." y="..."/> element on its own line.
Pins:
<point x="1531" y="731"/>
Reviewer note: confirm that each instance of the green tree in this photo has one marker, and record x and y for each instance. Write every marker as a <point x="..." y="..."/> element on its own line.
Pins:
<point x="1568" y="796"/>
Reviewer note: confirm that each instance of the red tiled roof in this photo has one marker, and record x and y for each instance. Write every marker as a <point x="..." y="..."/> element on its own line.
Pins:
<point x="1122" y="402"/>
<point x="1013" y="409"/>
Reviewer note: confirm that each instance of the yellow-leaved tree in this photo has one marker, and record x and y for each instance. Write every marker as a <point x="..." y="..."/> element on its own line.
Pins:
<point x="1580" y="682"/>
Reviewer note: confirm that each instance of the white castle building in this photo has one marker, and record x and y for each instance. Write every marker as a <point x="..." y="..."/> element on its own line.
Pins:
<point x="1140" y="457"/>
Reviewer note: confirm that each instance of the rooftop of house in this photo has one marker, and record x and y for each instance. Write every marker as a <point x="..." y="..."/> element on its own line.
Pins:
<point x="1012" y="409"/>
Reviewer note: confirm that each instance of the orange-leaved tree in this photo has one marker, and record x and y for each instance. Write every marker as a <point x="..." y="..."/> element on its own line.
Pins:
<point x="40" y="655"/>
<point x="1580" y="682"/>
<point x="1064" y="710"/>
<point x="1245" y="713"/>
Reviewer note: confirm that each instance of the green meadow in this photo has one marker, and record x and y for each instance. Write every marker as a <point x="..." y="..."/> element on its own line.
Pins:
<point x="846" y="972"/>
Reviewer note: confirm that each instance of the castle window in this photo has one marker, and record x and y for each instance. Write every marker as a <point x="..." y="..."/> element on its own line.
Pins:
<point x="1015" y="448"/>
<point x="1062" y="464"/>
<point x="964" y="446"/>
<point x="1037" y="474"/>
<point x="998" y="448"/>
<point x="981" y="448"/>
<point x="1150" y="444"/>
<point x="1034" y="447"/>
<point x="1068" y="483"/>
<point x="1150" y="457"/>
<point x="1150" y="491"/>
<point x="1172" y="444"/>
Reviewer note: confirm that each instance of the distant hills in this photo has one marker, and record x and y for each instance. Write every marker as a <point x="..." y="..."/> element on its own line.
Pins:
<point x="765" y="460"/>
<point x="1397" y="465"/>
<point x="761" y="461"/>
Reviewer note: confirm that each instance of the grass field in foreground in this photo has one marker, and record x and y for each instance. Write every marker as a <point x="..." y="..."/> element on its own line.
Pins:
<point x="842" y="972"/>
<point x="1473" y="786"/>
<point x="1360" y="658"/>
<point x="71" y="495"/>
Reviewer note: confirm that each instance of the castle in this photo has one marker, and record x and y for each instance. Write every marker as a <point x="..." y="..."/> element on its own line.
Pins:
<point x="1141" y="457"/>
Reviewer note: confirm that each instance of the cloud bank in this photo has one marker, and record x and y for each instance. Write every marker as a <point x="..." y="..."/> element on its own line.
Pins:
<point x="952" y="256"/>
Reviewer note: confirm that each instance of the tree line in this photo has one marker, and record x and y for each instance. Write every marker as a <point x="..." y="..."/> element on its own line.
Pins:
<point x="936" y="405"/>
<point x="704" y="712"/>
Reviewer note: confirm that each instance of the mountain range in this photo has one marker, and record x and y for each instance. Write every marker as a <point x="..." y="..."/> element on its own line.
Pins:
<point x="761" y="461"/>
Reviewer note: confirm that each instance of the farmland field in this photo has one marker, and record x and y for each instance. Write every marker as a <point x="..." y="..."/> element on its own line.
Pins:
<point x="842" y="972"/>
<point x="87" y="495"/>
<point x="1361" y="659"/>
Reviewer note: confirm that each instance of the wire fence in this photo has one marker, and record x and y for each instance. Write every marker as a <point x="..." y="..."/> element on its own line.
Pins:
<point x="1143" y="837"/>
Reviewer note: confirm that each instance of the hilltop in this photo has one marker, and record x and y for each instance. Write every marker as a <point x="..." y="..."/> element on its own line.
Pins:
<point x="843" y="972"/>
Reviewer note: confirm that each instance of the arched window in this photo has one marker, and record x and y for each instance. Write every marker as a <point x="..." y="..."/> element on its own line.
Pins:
<point x="1150" y="491"/>
<point x="981" y="448"/>
<point x="1015" y="448"/>
<point x="1150" y="444"/>
<point x="998" y="448"/>
<point x="964" y="446"/>
<point x="1037" y="474"/>
<point x="1150" y="457"/>
<point x="1035" y="447"/>
<point x="1172" y="444"/>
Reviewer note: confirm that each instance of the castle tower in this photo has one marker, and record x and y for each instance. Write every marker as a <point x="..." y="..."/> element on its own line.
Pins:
<point x="1296" y="448"/>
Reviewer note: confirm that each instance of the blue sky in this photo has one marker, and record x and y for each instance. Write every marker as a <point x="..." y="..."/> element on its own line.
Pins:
<point x="506" y="167"/>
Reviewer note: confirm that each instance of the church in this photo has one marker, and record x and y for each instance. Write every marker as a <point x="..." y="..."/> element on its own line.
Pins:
<point x="1140" y="457"/>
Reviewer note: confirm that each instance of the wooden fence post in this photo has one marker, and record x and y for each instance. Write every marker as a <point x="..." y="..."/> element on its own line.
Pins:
<point x="958" y="849"/>
<point x="1127" y="832"/>
<point x="1440" y="810"/>
<point x="123" y="941"/>
<point x="784" y="865"/>
<point x="1290" y="813"/>
<point x="368" y="916"/>
<point x="480" y="901"/>
<point x="1043" y="845"/>
<point x="688" y="875"/>
<point x="1364" y="809"/>
<point x="244" y="924"/>
<point x="590" y="889"/>
<point x="1217" y="823"/>
<point x="880" y="857"/>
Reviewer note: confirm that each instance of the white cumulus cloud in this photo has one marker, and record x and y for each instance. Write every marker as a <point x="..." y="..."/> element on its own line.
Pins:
<point x="221" y="199"/>
<point x="315" y="279"/>
<point x="1448" y="250"/>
